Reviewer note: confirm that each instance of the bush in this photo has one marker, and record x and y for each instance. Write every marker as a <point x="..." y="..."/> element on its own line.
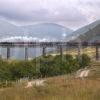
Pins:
<point x="22" y="69"/>
<point x="69" y="66"/>
<point x="5" y="73"/>
<point x="48" y="68"/>
<point x="41" y="67"/>
<point x="84" y="60"/>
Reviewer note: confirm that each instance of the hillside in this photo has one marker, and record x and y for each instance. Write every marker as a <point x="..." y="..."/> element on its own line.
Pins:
<point x="94" y="70"/>
<point x="89" y="32"/>
<point x="65" y="87"/>
<point x="56" y="88"/>
<point x="92" y="34"/>
<point x="9" y="30"/>
<point x="35" y="32"/>
<point x="49" y="31"/>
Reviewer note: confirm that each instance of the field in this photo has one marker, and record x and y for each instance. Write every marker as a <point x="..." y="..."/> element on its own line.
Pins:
<point x="65" y="87"/>
<point x="90" y="51"/>
<point x="57" y="88"/>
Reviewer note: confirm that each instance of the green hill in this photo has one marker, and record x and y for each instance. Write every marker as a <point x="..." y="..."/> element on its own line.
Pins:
<point x="91" y="35"/>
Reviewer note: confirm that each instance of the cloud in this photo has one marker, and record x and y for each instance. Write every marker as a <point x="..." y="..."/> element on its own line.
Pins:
<point x="19" y="12"/>
<point x="26" y="39"/>
<point x="73" y="12"/>
<point x="90" y="9"/>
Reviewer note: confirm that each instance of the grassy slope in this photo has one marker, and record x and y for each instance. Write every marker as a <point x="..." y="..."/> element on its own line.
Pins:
<point x="95" y="69"/>
<point x="89" y="51"/>
<point x="60" y="88"/>
<point x="94" y="66"/>
<point x="57" y="88"/>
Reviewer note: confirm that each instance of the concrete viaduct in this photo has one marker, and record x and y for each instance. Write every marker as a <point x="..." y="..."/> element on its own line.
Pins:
<point x="45" y="45"/>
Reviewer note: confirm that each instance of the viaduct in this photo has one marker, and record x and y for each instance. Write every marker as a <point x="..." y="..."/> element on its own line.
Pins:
<point x="45" y="45"/>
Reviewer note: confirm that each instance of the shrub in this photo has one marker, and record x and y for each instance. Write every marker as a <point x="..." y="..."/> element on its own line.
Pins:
<point x="22" y="69"/>
<point x="42" y="66"/>
<point x="5" y="73"/>
<point x="84" y="60"/>
<point x="48" y="68"/>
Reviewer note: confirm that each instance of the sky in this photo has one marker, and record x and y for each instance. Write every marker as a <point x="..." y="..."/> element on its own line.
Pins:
<point x="69" y="13"/>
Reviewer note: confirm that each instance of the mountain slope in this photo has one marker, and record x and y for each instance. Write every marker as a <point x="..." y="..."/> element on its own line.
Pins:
<point x="90" y="32"/>
<point x="41" y="31"/>
<point x="38" y="32"/>
<point x="47" y="30"/>
<point x="7" y="29"/>
<point x="91" y="35"/>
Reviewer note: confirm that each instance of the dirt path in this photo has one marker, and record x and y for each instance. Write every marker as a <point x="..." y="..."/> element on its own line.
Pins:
<point x="82" y="73"/>
<point x="36" y="83"/>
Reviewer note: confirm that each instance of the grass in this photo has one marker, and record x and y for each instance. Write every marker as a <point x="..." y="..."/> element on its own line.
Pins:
<point x="95" y="69"/>
<point x="57" y="88"/>
<point x="61" y="87"/>
<point x="90" y="51"/>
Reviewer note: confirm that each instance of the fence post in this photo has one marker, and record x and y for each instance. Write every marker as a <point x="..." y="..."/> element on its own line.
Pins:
<point x="8" y="53"/>
<point x="44" y="51"/>
<point x="26" y="53"/>
<point x="97" y="53"/>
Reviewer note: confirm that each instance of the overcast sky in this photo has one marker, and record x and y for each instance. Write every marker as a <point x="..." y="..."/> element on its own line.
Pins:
<point x="70" y="13"/>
